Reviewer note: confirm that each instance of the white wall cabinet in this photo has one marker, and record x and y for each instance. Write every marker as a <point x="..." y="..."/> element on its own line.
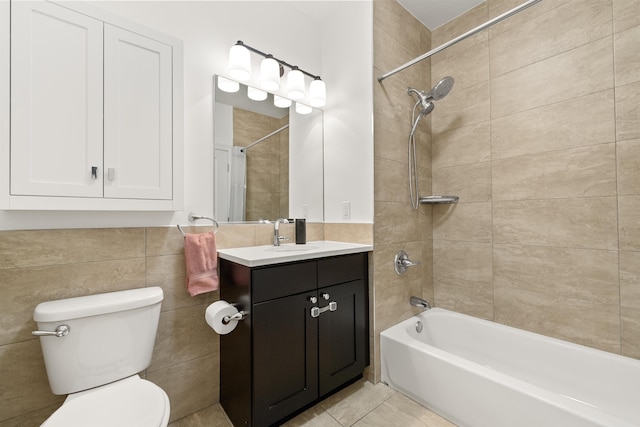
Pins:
<point x="96" y="112"/>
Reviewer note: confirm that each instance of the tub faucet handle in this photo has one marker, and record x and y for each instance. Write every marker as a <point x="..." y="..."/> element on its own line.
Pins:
<point x="402" y="262"/>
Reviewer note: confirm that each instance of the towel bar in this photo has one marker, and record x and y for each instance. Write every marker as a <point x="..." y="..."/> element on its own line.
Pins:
<point x="193" y="217"/>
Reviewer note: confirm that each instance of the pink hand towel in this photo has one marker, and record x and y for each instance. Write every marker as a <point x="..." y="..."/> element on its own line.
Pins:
<point x="201" y="258"/>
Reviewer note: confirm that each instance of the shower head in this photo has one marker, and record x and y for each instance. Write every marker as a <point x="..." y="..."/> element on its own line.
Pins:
<point x="441" y="89"/>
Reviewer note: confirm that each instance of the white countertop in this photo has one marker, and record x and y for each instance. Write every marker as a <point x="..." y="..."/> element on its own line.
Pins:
<point x="255" y="256"/>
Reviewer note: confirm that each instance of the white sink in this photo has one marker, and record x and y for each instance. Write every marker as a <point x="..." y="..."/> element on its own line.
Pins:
<point x="255" y="256"/>
<point x="292" y="248"/>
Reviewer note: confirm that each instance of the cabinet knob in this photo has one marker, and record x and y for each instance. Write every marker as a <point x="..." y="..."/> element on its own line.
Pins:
<point x="94" y="172"/>
<point x="326" y="296"/>
<point x="313" y="299"/>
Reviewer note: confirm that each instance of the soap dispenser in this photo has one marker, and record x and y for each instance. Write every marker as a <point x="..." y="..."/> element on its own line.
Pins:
<point x="301" y="231"/>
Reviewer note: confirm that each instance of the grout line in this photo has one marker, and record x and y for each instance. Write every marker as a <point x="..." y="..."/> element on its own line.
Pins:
<point x="332" y="417"/>
<point x="367" y="414"/>
<point x="615" y="138"/>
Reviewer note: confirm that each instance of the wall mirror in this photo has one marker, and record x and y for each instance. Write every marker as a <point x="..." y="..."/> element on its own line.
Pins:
<point x="268" y="160"/>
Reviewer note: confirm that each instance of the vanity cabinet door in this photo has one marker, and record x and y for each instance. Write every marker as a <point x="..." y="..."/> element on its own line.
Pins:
<point x="342" y="335"/>
<point x="56" y="101"/>
<point x="285" y="357"/>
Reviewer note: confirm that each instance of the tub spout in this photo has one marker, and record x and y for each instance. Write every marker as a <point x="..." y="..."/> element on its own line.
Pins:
<point x="419" y="302"/>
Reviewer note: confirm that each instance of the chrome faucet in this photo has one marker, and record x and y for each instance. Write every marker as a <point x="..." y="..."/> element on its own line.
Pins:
<point x="276" y="231"/>
<point x="419" y="302"/>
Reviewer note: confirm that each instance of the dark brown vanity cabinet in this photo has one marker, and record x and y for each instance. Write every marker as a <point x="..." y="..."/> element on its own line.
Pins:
<point x="305" y="336"/>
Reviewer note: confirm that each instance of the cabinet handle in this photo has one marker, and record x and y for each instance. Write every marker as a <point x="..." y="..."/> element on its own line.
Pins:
<point x="94" y="172"/>
<point x="317" y="311"/>
<point x="111" y="174"/>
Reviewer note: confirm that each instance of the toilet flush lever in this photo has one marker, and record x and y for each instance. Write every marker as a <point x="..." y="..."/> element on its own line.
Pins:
<point x="61" y="331"/>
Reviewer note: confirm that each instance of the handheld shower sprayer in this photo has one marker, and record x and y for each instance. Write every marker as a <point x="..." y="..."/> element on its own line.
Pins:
<point x="426" y="105"/>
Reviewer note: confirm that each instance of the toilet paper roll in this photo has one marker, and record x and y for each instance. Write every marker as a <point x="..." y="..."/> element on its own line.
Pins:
<point x="216" y="312"/>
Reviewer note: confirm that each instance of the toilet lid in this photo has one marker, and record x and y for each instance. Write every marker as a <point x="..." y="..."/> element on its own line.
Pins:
<point x="132" y="402"/>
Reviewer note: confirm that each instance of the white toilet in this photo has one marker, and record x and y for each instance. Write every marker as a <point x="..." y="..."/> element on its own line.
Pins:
<point x="105" y="340"/>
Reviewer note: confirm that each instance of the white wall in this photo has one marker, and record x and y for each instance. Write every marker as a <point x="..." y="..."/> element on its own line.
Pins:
<point x="338" y="46"/>
<point x="306" y="166"/>
<point x="347" y="54"/>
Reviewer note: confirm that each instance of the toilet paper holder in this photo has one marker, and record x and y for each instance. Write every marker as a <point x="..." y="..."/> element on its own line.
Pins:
<point x="241" y="315"/>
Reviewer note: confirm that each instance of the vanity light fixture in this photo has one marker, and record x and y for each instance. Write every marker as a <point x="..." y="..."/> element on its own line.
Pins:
<point x="317" y="93"/>
<point x="303" y="109"/>
<point x="281" y="102"/>
<point x="227" y="85"/>
<point x="239" y="62"/>
<point x="295" y="84"/>
<point x="256" y="94"/>
<point x="269" y="74"/>
<point x="271" y="69"/>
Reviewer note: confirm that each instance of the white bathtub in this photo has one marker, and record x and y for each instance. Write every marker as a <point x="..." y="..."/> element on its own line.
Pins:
<point x="478" y="373"/>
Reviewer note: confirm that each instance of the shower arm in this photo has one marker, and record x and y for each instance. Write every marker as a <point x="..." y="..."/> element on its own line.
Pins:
<point x="460" y="38"/>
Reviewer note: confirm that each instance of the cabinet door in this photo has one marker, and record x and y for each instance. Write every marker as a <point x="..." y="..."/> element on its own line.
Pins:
<point x="138" y="116"/>
<point x="285" y="357"/>
<point x="56" y="101"/>
<point x="342" y="334"/>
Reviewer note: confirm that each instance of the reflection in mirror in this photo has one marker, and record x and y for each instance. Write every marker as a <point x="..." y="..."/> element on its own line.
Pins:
<point x="268" y="160"/>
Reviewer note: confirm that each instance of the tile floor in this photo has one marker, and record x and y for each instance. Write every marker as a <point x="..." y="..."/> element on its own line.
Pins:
<point x="362" y="404"/>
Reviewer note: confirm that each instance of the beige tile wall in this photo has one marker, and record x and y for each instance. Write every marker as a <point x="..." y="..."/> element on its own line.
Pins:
<point x="267" y="186"/>
<point x="43" y="265"/>
<point x="540" y="138"/>
<point x="398" y="37"/>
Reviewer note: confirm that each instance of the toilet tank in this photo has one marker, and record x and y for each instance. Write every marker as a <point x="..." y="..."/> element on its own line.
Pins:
<point x="111" y="337"/>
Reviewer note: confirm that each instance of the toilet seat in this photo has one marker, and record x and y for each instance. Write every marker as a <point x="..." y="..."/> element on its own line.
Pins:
<point x="130" y="402"/>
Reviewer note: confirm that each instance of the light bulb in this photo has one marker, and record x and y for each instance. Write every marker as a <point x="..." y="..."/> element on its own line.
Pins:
<point x="281" y="102"/>
<point x="239" y="63"/>
<point x="227" y="85"/>
<point x="317" y="93"/>
<point x="295" y="84"/>
<point x="256" y="94"/>
<point x="303" y="109"/>
<point x="269" y="74"/>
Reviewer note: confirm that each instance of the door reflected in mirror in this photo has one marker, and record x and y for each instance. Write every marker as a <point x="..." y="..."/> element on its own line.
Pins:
<point x="268" y="160"/>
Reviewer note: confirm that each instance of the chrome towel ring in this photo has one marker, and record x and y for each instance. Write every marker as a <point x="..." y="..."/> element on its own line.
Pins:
<point x="194" y="217"/>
